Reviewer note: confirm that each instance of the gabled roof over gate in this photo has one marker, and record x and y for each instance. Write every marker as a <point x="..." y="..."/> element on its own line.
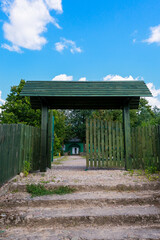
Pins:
<point x="85" y="95"/>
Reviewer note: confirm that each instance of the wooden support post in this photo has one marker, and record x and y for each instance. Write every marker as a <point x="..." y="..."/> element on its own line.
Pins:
<point x="127" y="137"/>
<point x="44" y="123"/>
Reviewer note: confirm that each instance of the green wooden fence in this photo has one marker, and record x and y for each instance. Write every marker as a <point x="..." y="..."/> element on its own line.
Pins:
<point x="104" y="144"/>
<point x="145" y="143"/>
<point x="18" y="143"/>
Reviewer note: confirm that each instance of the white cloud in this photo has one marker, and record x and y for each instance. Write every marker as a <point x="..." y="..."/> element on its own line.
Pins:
<point x="155" y="100"/>
<point x="82" y="79"/>
<point x="27" y="22"/>
<point x="67" y="44"/>
<point x="154" y="35"/>
<point x="120" y="78"/>
<point x="62" y="77"/>
<point x="1" y="100"/>
<point x="55" y="4"/>
<point x="12" y="48"/>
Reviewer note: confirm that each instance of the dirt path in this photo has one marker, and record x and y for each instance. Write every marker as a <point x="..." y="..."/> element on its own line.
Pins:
<point x="107" y="204"/>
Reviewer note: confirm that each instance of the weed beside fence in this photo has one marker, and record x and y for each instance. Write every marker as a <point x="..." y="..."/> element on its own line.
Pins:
<point x="19" y="144"/>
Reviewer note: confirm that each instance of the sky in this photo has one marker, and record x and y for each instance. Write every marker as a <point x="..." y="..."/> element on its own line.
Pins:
<point x="80" y="40"/>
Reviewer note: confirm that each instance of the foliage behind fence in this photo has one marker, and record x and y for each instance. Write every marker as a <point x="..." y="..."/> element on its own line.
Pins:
<point x="18" y="143"/>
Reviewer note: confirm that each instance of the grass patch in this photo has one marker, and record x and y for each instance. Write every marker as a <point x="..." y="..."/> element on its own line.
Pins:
<point x="14" y="180"/>
<point x="15" y="191"/>
<point x="45" y="181"/>
<point x="59" y="161"/>
<point x="40" y="190"/>
<point x="150" y="173"/>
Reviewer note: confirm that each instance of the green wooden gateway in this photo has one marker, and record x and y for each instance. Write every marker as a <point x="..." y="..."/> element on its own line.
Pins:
<point x="123" y="95"/>
<point x="85" y="95"/>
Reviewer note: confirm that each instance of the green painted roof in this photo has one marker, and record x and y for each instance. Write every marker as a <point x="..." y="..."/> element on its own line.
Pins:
<point x="90" y="94"/>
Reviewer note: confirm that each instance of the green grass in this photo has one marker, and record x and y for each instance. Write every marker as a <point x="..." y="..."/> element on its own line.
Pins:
<point x="15" y="191"/>
<point x="59" y="161"/>
<point x="40" y="190"/>
<point x="150" y="173"/>
<point x="45" y="181"/>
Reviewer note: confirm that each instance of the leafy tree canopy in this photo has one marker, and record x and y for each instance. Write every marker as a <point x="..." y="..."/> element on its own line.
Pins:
<point x="17" y="109"/>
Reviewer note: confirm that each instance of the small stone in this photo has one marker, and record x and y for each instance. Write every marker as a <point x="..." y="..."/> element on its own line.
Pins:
<point x="21" y="174"/>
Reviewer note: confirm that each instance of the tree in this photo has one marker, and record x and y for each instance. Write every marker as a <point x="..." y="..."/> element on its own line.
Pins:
<point x="59" y="130"/>
<point x="76" y="124"/>
<point x="143" y="116"/>
<point x="109" y="115"/>
<point x="17" y="109"/>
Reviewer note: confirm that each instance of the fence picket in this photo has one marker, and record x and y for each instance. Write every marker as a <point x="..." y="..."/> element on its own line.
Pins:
<point x="95" y="144"/>
<point x="87" y="144"/>
<point x="106" y="145"/>
<point x="117" y="144"/>
<point x="102" y="143"/>
<point x="110" y="144"/>
<point x="99" y="150"/>
<point x="91" y="144"/>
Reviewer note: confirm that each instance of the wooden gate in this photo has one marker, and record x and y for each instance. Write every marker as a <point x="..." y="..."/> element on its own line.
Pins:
<point x="104" y="144"/>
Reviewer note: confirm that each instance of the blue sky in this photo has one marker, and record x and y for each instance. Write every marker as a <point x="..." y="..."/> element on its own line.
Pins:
<point x="80" y="40"/>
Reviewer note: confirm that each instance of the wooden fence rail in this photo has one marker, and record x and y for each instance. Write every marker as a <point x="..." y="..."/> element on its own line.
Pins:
<point x="18" y="143"/>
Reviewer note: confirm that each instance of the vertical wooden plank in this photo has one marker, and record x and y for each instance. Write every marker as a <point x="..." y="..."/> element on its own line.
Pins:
<point x="1" y="152"/>
<point x="157" y="142"/>
<point x="114" y="145"/>
<point x="127" y="137"/>
<point x="95" y="145"/>
<point x="106" y="144"/>
<point x="122" y="164"/>
<point x="153" y="146"/>
<point x="50" y="139"/>
<point x="44" y="122"/>
<point x="5" y="153"/>
<point x="149" y="145"/>
<point x="118" y="143"/>
<point x="87" y="144"/>
<point x="158" y="165"/>
<point x="32" y="147"/>
<point x="99" y="149"/>
<point x="143" y="146"/>
<point x="110" y="144"/>
<point x="39" y="147"/>
<point x="133" y="147"/>
<point x="20" y="147"/>
<point x="91" y="143"/>
<point x="102" y="143"/>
